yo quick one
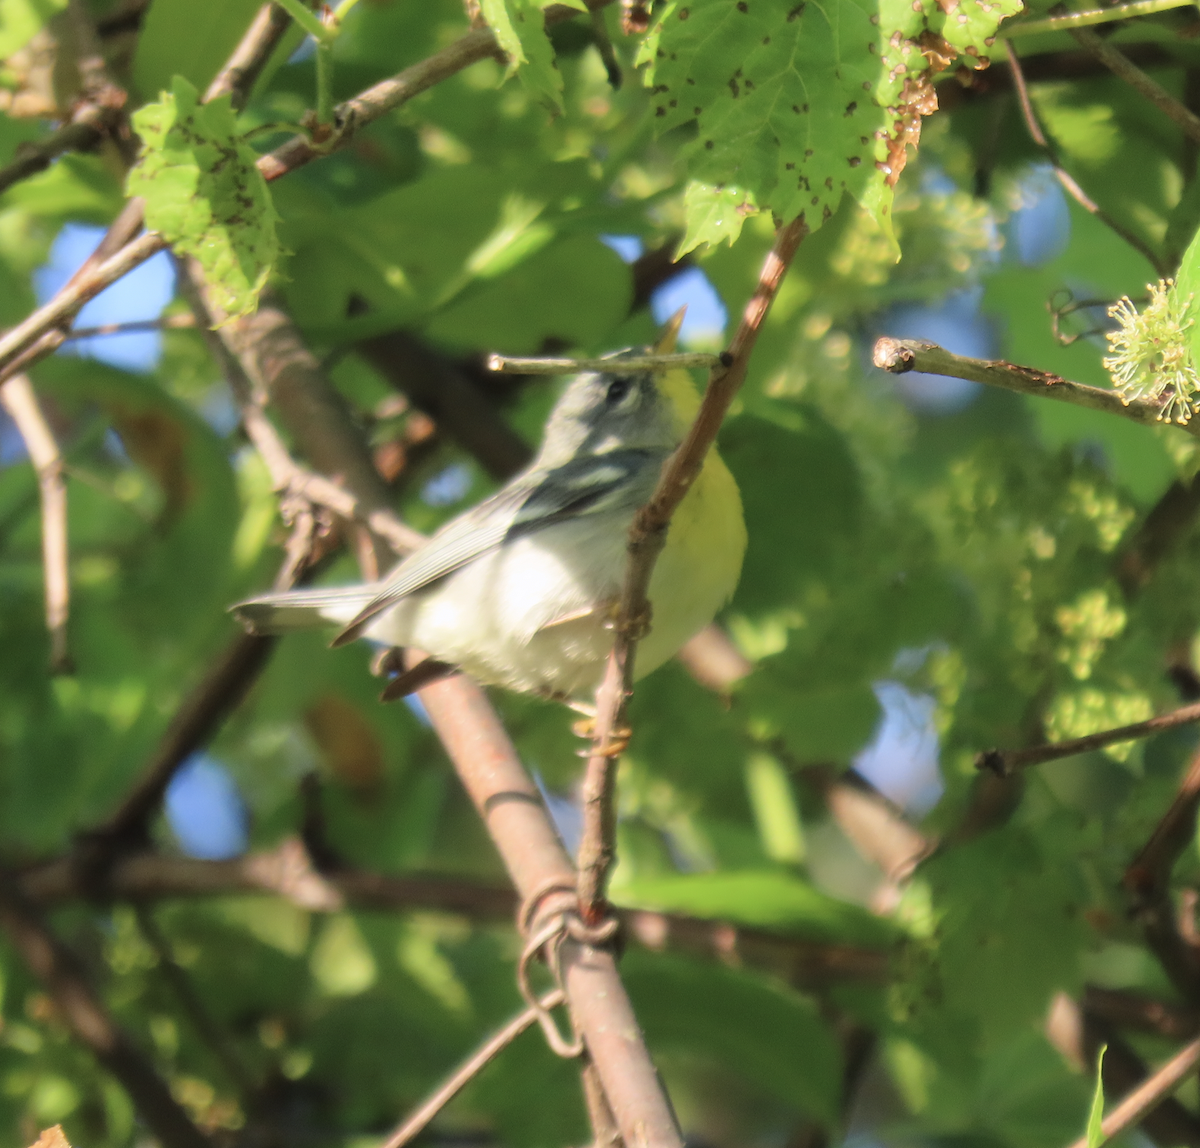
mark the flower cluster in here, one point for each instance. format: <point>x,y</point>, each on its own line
<point>1151,360</point>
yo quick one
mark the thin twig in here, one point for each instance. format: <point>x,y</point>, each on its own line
<point>1005,761</point>
<point>87,128</point>
<point>355,114</point>
<point>91,1022</point>
<point>71,298</point>
<point>1123,68</point>
<point>1090,17</point>
<point>646,538</point>
<point>899,356</point>
<point>1146,1096</point>
<point>287,871</point>
<point>166,323</point>
<point>19,400</point>
<point>513,366</point>
<point>252,54</point>
<point>96,115</point>
<point>418,1120</point>
<point>1069,185</point>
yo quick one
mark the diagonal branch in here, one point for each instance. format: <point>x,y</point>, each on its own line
<point>1124,69</point>
<point>1147,881</point>
<point>646,539</point>
<point>200,715</point>
<point>898,356</point>
<point>94,1027</point>
<point>252,54</point>
<point>418,1120</point>
<point>1003,762</point>
<point>1064,177</point>
<point>18,399</point>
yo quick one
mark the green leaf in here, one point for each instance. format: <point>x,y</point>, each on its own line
<point>204,194</point>
<point>714,213</point>
<point>520,28</point>
<point>802,101</point>
<point>774,1039</point>
<point>764,898</point>
<point>1095,1133</point>
<point>21,20</point>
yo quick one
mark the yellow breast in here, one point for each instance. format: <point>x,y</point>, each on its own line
<point>698,570</point>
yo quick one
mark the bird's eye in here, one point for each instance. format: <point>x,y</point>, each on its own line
<point>617,390</point>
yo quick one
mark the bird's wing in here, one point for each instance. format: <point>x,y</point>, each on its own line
<point>530,503</point>
<point>299,609</point>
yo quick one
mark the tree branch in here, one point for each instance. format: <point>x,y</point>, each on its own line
<point>1147,881</point>
<point>249,58</point>
<point>647,536</point>
<point>200,715</point>
<point>1131,1009</point>
<point>19,400</point>
<point>288,872</point>
<point>1069,185</point>
<point>1124,69</point>
<point>66,304</point>
<point>898,356</point>
<point>1003,762</point>
<point>368,106</point>
<point>57,968</point>
<point>1165,526</point>
<point>512,811</point>
<point>418,1120</point>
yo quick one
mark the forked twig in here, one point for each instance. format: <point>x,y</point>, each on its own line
<point>21,403</point>
<point>418,1120</point>
<point>646,539</point>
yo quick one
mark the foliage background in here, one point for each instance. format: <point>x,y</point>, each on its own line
<point>988,564</point>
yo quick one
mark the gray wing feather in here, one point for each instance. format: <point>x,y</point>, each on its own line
<point>302,609</point>
<point>529,503</point>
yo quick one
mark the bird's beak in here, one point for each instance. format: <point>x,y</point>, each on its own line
<point>670,333</point>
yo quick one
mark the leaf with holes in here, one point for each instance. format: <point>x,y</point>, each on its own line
<point>802,101</point>
<point>204,194</point>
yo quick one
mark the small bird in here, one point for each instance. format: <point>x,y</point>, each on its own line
<point>521,591</point>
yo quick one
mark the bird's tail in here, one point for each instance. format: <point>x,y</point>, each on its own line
<point>303,609</point>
